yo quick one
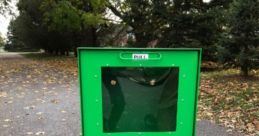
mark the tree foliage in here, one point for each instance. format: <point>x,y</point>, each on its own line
<point>70,15</point>
<point>61,16</point>
<point>177,23</point>
<point>25,30</point>
<point>5,6</point>
<point>55,26</point>
<point>240,46</point>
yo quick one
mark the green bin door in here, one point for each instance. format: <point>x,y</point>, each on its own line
<point>132,92</point>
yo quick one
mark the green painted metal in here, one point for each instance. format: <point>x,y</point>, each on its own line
<point>91,61</point>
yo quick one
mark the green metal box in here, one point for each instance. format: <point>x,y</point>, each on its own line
<point>138,92</point>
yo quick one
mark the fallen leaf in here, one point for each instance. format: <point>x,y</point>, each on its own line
<point>3,94</point>
<point>9,102</point>
<point>39,113</point>
<point>250,127</point>
<point>40,133</point>
<point>54,101</point>
<point>29,133</point>
<point>5,126</point>
<point>7,120</point>
<point>256,123</point>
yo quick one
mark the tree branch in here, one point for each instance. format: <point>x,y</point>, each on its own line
<point>114,10</point>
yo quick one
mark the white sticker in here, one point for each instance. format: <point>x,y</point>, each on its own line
<point>139,56</point>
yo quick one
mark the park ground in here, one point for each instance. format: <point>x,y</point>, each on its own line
<point>39,96</point>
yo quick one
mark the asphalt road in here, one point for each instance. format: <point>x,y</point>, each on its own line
<point>36,108</point>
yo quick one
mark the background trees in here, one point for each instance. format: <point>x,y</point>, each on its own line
<point>55,26</point>
<point>178,23</point>
<point>25,30</point>
<point>240,45</point>
<point>225,29</point>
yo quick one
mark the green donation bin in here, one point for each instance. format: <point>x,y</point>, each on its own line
<point>138,92</point>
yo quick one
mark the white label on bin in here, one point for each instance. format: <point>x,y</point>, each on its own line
<point>139,56</point>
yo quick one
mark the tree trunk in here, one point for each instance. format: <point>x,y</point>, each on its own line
<point>245,65</point>
<point>67,52</point>
<point>75,51</point>
<point>245,71</point>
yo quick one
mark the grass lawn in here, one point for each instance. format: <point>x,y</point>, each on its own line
<point>230,100</point>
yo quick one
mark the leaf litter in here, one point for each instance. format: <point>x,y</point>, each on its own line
<point>225,98</point>
<point>230,100</point>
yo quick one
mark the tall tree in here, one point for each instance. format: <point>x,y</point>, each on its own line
<point>80,17</point>
<point>56,26</point>
<point>19,35</point>
<point>173,23</point>
<point>26,30</point>
<point>241,44</point>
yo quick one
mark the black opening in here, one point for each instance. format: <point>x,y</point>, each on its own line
<point>139,99</point>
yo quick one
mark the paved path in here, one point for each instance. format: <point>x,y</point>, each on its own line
<point>33,105</point>
<point>12,55</point>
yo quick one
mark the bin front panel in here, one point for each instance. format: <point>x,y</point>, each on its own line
<point>130,92</point>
